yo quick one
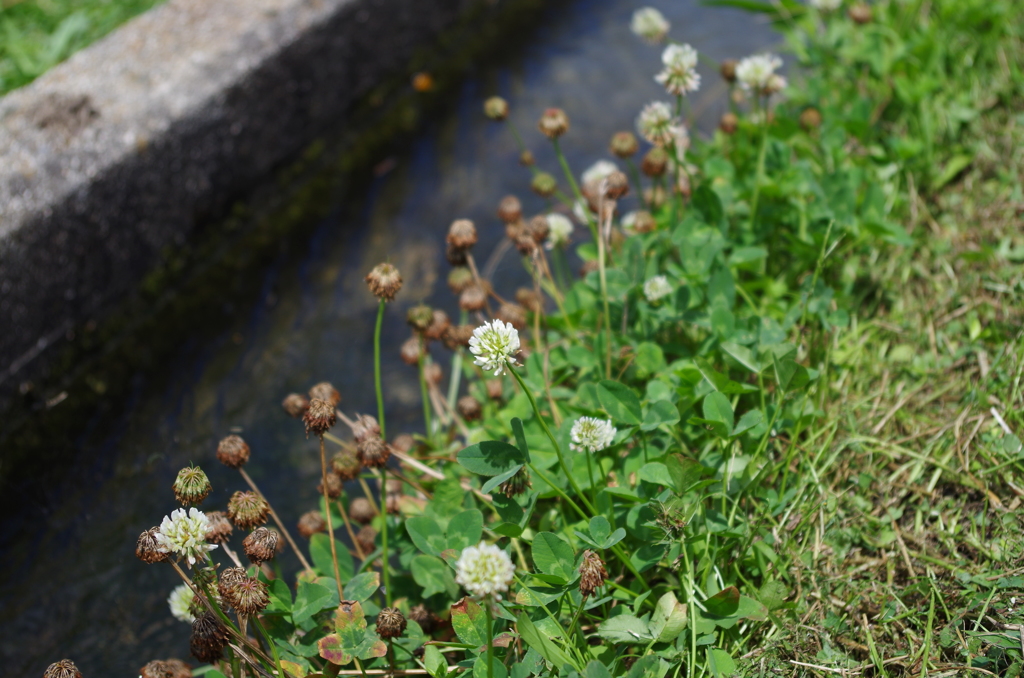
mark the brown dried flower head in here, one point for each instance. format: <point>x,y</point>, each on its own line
<point>553,123</point>
<point>320,417</point>
<point>261,545</point>
<point>810,119</point>
<point>438,325</point>
<point>624,144</point>
<point>361,510</point>
<point>346,464</point>
<point>526,158</point>
<point>455,256</point>
<point>333,488</point>
<point>403,442</point>
<point>247,510</point>
<point>233,452</point>
<point>589,266</point>
<point>860,13</point>
<point>249,596</point>
<point>390,623</point>
<point>373,452</point>
<point>458,335</point>
<point>367,539</point>
<point>525,244</point>
<point>227,581</point>
<point>513,314</point>
<point>191,486</point>
<point>729,123</point>
<point>459,279</point>
<point>473,298</point>
<point>166,668</point>
<point>538,228</point>
<point>146,549</point>
<point>496,108</point>
<point>617,185</point>
<point>365,427</point>
<point>654,162</point>
<point>469,408</point>
<point>384,281</point>
<point>65,668</point>
<point>325,391</point>
<point>592,573</point>
<point>310,523</point>
<point>462,234</point>
<point>220,527</point>
<point>424,617</point>
<point>644,222</point>
<point>728,70</point>
<point>295,404</point>
<point>209,637</point>
<point>432,373</point>
<point>510,209</point>
<point>517,484</point>
<point>529,299</point>
<point>544,184</point>
<point>411,350</point>
<point>419,317</point>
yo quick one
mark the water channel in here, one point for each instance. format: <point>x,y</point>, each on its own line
<point>70,585</point>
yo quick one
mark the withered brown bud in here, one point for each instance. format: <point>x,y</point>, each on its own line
<point>247,510</point>
<point>432,373</point>
<point>462,234</point>
<point>728,70</point>
<point>517,484</point>
<point>459,279</point>
<point>810,119</point>
<point>346,464</point>
<point>325,391</point>
<point>403,442</point>
<point>373,452</point>
<point>617,186</point>
<point>320,417</point>
<point>390,623</point>
<point>295,404</point>
<point>510,209</point>
<point>624,144</point>
<point>261,545</point>
<point>729,123</point>
<point>496,109</point>
<point>495,389</point>
<point>367,539</point>
<point>424,617</point>
<point>469,408</point>
<point>473,298</point>
<point>311,522</point>
<point>361,510</point>
<point>419,317</point>
<point>538,228</point>
<point>384,281</point>
<point>147,549</point>
<point>411,350</point>
<point>644,222</point>
<point>438,325</point>
<point>227,580</point>
<point>654,162</point>
<point>333,488</point>
<point>209,637</point>
<point>860,13</point>
<point>233,452</point>
<point>458,335</point>
<point>166,668</point>
<point>529,299</point>
<point>249,596</point>
<point>365,426</point>
<point>592,573</point>
<point>526,158</point>
<point>455,256</point>
<point>525,244</point>
<point>220,527</point>
<point>191,486</point>
<point>544,184</point>
<point>553,123</point>
<point>65,668</point>
<point>514,314</point>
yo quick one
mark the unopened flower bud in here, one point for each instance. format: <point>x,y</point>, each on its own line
<point>384,281</point>
<point>367,539</point>
<point>373,452</point>
<point>729,123</point>
<point>860,13</point>
<point>459,279</point>
<point>513,314</point>
<point>295,405</point>
<point>654,162</point>
<point>233,452</point>
<point>592,573</point>
<point>333,487</point>
<point>220,527</point>
<point>390,623</point>
<point>411,350</point>
<point>517,484</point>
<point>191,486</point>
<point>346,464</point>
<point>526,158</point>
<point>462,234</point>
<point>553,123</point>
<point>810,119</point>
<point>311,522</point>
<point>361,510</point>
<point>617,185</point>
<point>147,549</point>
<point>419,317</point>
<point>624,144</point>
<point>320,417</point>
<point>247,510</point>
<point>544,184</point>
<point>65,668</point>
<point>510,210</point>
<point>469,408</point>
<point>209,637</point>
<point>496,109</point>
<point>261,545</point>
<point>728,70</point>
<point>439,324</point>
<point>472,298</point>
<point>325,391</point>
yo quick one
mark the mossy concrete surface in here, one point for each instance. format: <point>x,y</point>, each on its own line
<point>133,145</point>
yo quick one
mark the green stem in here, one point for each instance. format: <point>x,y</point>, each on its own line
<point>490,639</point>
<point>590,474</point>
<point>604,301</point>
<point>327,514</point>
<point>270,641</point>
<point>762,151</point>
<point>576,192</point>
<point>385,564</point>
<point>376,368</point>
<point>427,428</point>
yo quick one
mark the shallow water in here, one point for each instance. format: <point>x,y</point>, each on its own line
<point>69,583</point>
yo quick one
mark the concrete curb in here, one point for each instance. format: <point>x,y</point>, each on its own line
<point>135,143</point>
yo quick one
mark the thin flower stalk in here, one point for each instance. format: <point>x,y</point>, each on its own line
<point>327,512</point>
<point>385,564</point>
<point>277,520</point>
<point>376,367</point>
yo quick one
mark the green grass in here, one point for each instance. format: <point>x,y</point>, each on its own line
<point>36,35</point>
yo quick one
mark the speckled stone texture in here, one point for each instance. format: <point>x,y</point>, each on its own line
<point>134,143</point>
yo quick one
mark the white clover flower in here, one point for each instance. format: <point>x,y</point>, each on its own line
<point>650,24</point>
<point>755,72</point>
<point>484,570</point>
<point>657,124</point>
<point>495,345</point>
<point>179,601</point>
<point>590,434</point>
<point>601,169</point>
<point>185,534</point>
<point>581,210</point>
<point>559,231</point>
<point>825,5</point>
<point>679,76</point>
<point>657,287</point>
